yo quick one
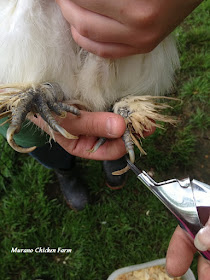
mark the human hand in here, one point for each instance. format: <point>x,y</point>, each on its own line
<point>180,255</point>
<point>114,29</point>
<point>202,238</point>
<point>89,127</point>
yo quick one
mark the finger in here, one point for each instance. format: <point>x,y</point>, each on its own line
<point>202,239</point>
<point>99,124</point>
<point>203,269</point>
<point>103,29</point>
<point>111,150</point>
<point>95,26</point>
<point>180,253</point>
<point>112,9</point>
<point>107,37</point>
<point>106,50</point>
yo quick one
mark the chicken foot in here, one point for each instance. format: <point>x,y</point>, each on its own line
<point>141,114</point>
<point>16,102</point>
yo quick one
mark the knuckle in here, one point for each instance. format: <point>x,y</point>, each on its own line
<point>144,17</point>
<point>149,17</point>
<point>142,20</point>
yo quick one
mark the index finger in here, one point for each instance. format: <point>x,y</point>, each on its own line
<point>110,150</point>
<point>103,7</point>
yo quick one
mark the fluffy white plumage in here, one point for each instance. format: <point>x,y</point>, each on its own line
<point>36,46</point>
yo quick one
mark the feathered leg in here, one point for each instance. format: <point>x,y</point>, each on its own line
<point>16,102</point>
<point>141,113</point>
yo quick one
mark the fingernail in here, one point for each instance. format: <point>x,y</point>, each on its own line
<point>199,241</point>
<point>112,127</point>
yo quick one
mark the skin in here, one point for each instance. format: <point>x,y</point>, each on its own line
<point>180,255</point>
<point>89,127</point>
<point>114,29</point>
<point>202,240</point>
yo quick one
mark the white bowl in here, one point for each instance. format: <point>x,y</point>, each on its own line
<point>188,275</point>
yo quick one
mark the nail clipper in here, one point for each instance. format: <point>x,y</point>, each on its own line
<point>188,200</point>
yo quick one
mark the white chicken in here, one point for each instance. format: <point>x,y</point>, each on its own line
<point>42,69</point>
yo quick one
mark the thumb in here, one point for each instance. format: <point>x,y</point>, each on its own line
<point>103,124</point>
<point>202,238</point>
<point>99,124</point>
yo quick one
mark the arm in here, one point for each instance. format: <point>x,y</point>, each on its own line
<point>120,28</point>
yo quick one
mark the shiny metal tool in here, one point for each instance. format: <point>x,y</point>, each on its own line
<point>188,200</point>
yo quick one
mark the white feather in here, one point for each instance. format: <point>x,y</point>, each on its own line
<point>36,46</point>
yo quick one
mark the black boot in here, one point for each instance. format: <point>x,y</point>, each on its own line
<point>74,190</point>
<point>114,181</point>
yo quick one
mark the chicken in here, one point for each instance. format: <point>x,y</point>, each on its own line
<point>42,70</point>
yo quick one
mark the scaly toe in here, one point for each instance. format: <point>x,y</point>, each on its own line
<point>17,101</point>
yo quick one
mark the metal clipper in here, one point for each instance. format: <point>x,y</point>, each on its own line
<point>188,200</point>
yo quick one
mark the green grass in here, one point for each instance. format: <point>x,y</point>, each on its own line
<point>119,228</point>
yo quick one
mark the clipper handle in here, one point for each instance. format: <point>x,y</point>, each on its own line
<point>201,198</point>
<point>201,193</point>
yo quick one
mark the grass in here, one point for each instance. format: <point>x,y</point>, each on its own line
<point>119,228</point>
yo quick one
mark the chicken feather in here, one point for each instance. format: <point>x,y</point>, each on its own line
<point>37,48</point>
